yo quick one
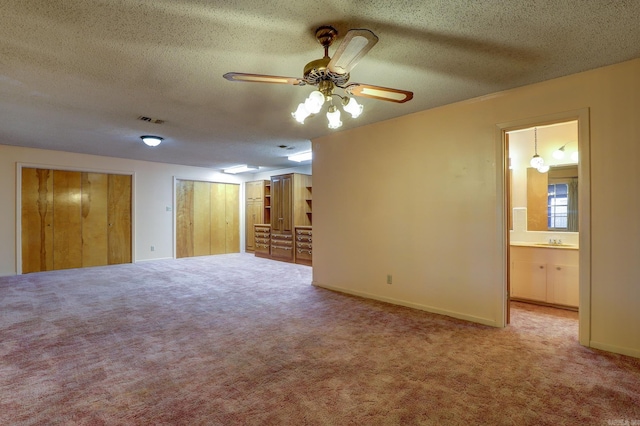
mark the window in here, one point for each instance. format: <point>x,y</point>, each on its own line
<point>557,206</point>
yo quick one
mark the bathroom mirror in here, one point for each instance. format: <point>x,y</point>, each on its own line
<point>552,199</point>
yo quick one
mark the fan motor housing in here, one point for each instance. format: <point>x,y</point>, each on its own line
<point>317,71</point>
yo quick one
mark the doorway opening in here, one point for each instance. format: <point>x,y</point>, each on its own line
<point>546,205</point>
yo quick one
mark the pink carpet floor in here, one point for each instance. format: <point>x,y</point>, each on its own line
<point>238,340</point>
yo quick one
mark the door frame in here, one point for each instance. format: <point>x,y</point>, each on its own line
<point>20,166</point>
<point>584,207</point>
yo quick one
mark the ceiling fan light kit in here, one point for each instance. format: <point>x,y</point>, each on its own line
<point>329,73</point>
<point>333,115</point>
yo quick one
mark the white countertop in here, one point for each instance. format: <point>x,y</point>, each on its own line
<point>545,245</point>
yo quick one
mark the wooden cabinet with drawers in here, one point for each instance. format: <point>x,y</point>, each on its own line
<point>282,247</point>
<point>304,245</point>
<point>290,208</point>
<point>262,242</point>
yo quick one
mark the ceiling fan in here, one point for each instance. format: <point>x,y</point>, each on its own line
<point>328,73</point>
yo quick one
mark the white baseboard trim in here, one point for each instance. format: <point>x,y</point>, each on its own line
<point>152,260</point>
<point>615,349</point>
<point>458,315</point>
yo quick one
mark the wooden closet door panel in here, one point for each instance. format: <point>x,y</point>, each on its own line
<point>201,218</point>
<point>94,219</point>
<point>37,220</point>
<point>254,190</point>
<point>249,221</point>
<point>287,205</point>
<point>67,220</point>
<point>254,215</point>
<point>119,218</point>
<point>184,218</point>
<point>218,218</point>
<point>232,213</point>
<point>276,204</point>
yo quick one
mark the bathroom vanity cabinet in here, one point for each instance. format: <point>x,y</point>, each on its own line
<point>545,274</point>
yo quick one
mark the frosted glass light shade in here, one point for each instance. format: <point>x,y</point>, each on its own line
<point>543,168</point>
<point>314,102</point>
<point>333,115</point>
<point>558,154</point>
<point>151,140</point>
<point>536,161</point>
<point>353,107</point>
<point>301,113</point>
<point>574,156</point>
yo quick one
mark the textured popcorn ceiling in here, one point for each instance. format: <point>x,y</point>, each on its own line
<point>76,75</point>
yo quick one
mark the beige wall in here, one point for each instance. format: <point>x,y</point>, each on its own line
<point>417,197</point>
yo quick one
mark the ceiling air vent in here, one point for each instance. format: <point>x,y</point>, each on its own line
<point>150,120</point>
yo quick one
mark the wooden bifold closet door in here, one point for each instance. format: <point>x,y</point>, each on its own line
<point>207,218</point>
<point>74,219</point>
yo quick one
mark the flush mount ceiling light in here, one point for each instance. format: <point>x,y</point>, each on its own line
<point>303,156</point>
<point>328,73</point>
<point>240,169</point>
<point>151,140</point>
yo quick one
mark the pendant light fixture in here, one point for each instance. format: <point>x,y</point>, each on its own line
<point>537,162</point>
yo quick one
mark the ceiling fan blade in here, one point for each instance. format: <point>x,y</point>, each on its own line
<point>262,78</point>
<point>378,92</point>
<point>353,47</point>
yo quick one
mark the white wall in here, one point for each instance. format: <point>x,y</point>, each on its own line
<point>153,193</point>
<point>430,212</point>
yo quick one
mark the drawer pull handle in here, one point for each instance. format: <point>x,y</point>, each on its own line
<point>304,251</point>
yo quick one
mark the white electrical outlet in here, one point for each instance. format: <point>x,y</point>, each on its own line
<point>389,279</point>
<point>153,248</point>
